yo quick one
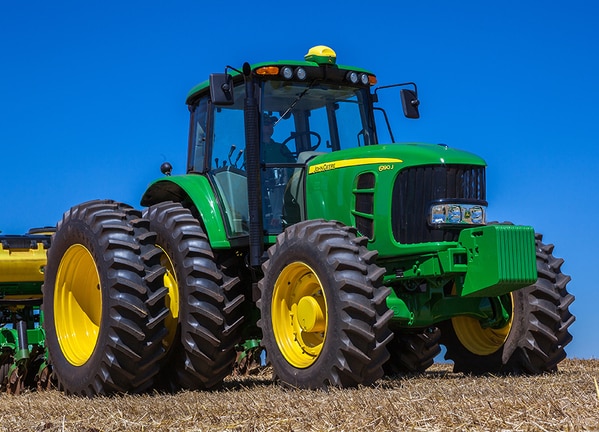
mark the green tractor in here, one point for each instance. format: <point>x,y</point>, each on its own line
<point>294,226</point>
<point>22,348</point>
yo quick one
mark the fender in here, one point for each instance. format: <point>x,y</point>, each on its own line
<point>199,191</point>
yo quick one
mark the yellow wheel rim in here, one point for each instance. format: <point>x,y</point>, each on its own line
<point>479,340</point>
<point>172,299</point>
<point>299,315</point>
<point>77,305</point>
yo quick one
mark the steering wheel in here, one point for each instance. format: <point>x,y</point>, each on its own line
<point>294,135</point>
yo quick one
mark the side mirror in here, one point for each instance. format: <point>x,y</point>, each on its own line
<point>409,102</point>
<point>221,89</point>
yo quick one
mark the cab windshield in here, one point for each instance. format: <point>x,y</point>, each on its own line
<point>317,117</point>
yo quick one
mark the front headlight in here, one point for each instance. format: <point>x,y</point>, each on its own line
<point>453,213</point>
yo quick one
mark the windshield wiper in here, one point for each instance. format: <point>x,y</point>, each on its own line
<point>294,103</point>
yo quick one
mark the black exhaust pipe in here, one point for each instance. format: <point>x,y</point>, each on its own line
<point>252,144</point>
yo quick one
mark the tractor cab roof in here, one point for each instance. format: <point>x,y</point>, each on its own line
<point>320,63</point>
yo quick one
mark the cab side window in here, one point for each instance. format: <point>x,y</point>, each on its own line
<point>227,167</point>
<point>229,138</point>
<point>197,137</point>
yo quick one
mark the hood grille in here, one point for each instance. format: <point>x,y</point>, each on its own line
<point>417,187</point>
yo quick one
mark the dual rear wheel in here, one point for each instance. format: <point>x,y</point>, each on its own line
<point>134,303</point>
<point>205,304</point>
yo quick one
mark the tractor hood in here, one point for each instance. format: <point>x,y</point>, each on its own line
<point>363,186</point>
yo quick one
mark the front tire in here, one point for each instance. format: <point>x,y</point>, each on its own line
<point>324,317</point>
<point>205,305</point>
<point>104,301</point>
<point>533,341</point>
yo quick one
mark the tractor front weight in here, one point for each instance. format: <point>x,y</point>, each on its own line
<point>473,278</point>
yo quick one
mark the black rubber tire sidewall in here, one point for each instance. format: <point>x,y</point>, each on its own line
<point>117,363</point>
<point>210,316</point>
<point>354,348</point>
<point>539,329</point>
<point>319,371</point>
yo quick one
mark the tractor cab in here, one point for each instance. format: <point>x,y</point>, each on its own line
<point>301,110</point>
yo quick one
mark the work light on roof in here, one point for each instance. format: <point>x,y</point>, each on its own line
<point>287,72</point>
<point>300,73</point>
<point>352,77</point>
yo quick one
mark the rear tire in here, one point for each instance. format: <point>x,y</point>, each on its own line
<point>324,317</point>
<point>205,305</point>
<point>537,334</point>
<point>103,301</point>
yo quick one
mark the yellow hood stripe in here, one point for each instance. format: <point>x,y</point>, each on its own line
<point>327,166</point>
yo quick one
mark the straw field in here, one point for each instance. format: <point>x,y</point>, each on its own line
<point>439,400</point>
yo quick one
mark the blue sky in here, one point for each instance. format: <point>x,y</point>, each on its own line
<point>92,100</point>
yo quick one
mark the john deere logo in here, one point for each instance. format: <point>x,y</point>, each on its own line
<point>324,167</point>
<point>384,164</point>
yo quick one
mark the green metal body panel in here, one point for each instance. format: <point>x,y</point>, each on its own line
<point>421,309</point>
<point>199,191</point>
<point>9,338</point>
<point>16,290</point>
<point>331,188</point>
<point>501,259</point>
<point>488,262</point>
<point>493,260</point>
